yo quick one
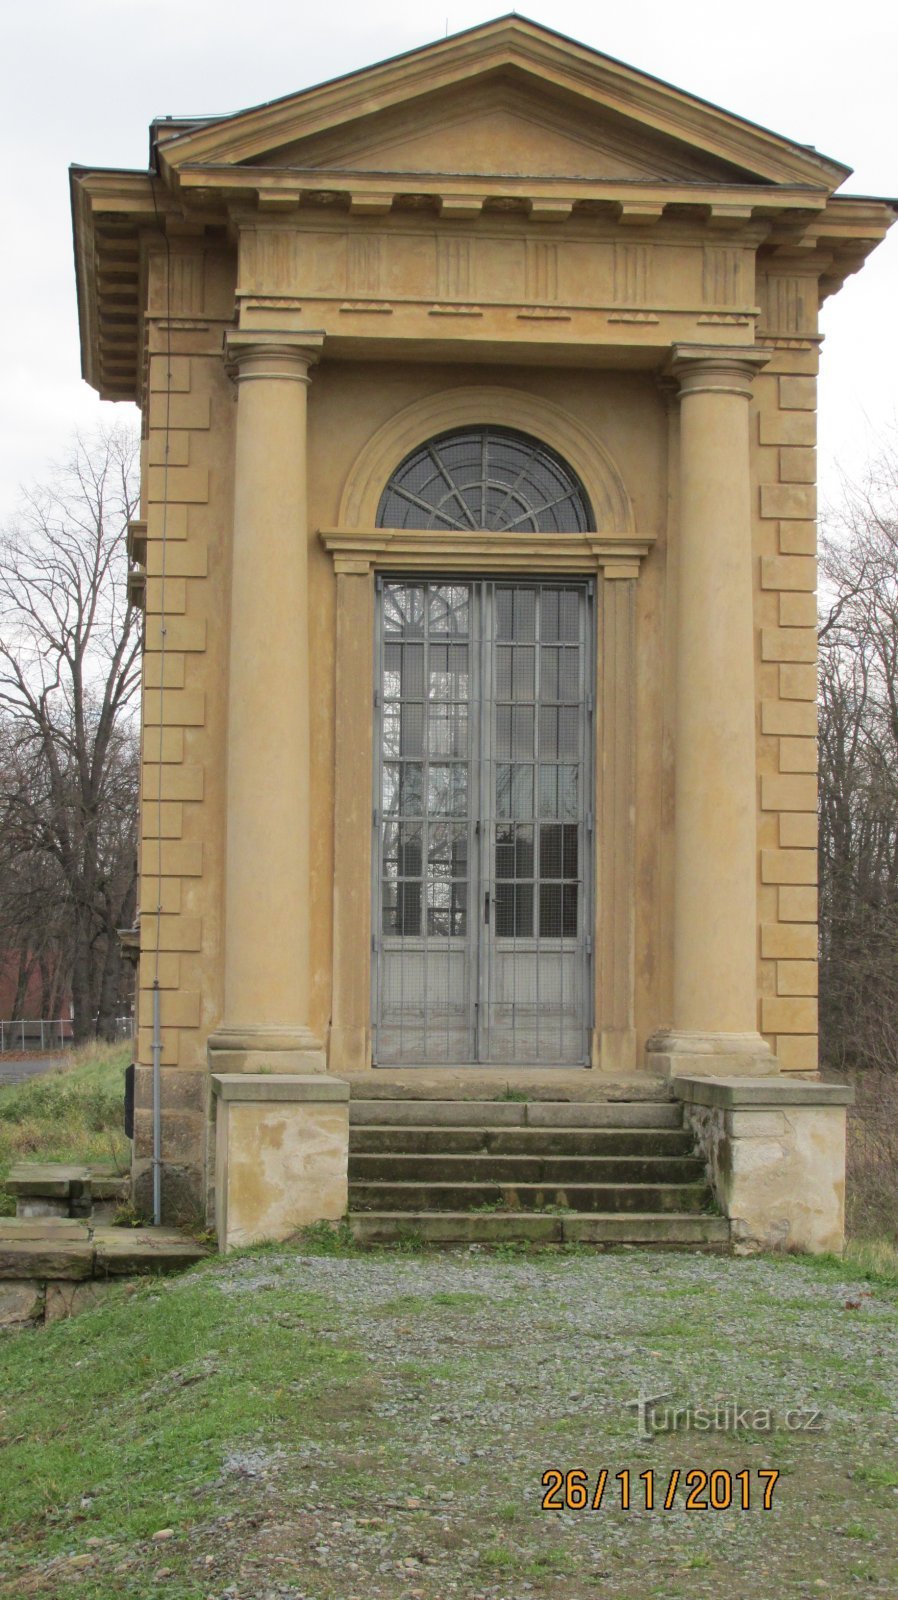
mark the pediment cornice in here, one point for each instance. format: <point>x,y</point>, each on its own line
<point>591,82</point>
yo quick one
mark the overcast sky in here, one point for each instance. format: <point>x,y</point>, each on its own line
<point>80,80</point>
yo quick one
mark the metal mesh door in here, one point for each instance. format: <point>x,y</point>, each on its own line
<point>482,832</point>
<point>424,970</point>
<point>536,825</point>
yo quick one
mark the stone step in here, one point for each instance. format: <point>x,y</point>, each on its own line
<point>55,1180</point>
<point>550,1170</point>
<point>499,1083</point>
<point>51,1180</point>
<point>51,1247</point>
<point>371,1139</point>
<point>667,1229</point>
<point>645,1197</point>
<point>516,1113</point>
<point>61,1247</point>
<point>54,1189</point>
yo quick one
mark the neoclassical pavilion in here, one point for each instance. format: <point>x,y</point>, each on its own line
<point>477,560</point>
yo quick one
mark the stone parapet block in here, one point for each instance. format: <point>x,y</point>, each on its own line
<point>281,1153</point>
<point>275,1086</point>
<point>775,1150</point>
<point>751,1094</point>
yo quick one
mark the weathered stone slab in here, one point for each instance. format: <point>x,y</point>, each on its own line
<point>278,1086</point>
<point>121,1252</point>
<point>46,1248</point>
<point>454,1227</point>
<point>738,1093</point>
<point>651,1228</point>
<point>44,1227</point>
<point>51,1180</point>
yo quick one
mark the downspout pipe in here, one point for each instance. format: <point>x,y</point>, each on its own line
<point>156,1051</point>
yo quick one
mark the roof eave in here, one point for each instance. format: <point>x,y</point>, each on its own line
<point>110,208</point>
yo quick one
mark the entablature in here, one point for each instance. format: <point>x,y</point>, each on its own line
<point>463,197</point>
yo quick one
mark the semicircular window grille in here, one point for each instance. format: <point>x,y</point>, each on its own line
<point>485,480</point>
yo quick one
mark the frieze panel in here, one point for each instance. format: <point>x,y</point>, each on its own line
<point>541,271</point>
<point>632,274</point>
<point>722,276</point>
<point>788,304</point>
<point>363,275</point>
<point>454,274</point>
<point>176,284</point>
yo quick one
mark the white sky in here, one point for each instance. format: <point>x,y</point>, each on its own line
<point>80,80</point>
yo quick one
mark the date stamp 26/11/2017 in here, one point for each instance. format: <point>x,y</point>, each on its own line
<point>692,1487</point>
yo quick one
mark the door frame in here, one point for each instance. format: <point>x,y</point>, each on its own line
<point>614,560</point>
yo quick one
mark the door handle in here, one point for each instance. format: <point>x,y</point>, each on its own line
<point>486,906</point>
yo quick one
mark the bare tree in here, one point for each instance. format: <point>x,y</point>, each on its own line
<point>69,675</point>
<point>858,693</point>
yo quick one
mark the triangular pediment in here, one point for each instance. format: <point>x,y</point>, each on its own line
<point>510,97</point>
<point>504,125</point>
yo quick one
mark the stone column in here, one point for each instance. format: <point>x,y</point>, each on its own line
<point>266,933</point>
<point>715,1000</point>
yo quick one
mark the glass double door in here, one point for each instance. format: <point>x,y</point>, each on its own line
<point>482,821</point>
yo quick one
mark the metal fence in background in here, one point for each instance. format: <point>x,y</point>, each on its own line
<point>41,1036</point>
<point>45,1037</point>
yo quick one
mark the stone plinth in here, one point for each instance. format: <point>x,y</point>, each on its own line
<point>775,1150</point>
<point>281,1153</point>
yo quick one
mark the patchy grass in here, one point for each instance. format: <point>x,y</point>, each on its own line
<point>873,1261</point>
<point>73,1113</point>
<point>872,1166</point>
<point>320,1428</point>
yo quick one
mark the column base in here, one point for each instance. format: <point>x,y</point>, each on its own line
<point>676,1053</point>
<point>265,1049</point>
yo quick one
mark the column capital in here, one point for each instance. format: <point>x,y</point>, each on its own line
<point>715,369</point>
<point>271,354</point>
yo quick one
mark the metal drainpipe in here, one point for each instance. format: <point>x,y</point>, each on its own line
<point>156,1050</point>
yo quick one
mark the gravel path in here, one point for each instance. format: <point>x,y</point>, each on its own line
<point>18,1068</point>
<point>483,1373</point>
<point>413,1470</point>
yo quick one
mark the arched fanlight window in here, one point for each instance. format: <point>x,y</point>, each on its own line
<point>488,480</point>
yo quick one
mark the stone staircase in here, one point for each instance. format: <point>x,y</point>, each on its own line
<point>461,1171</point>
